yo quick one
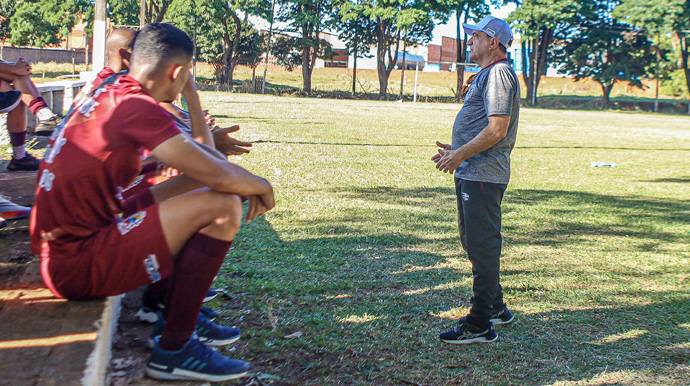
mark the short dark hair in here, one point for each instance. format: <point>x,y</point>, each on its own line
<point>162,44</point>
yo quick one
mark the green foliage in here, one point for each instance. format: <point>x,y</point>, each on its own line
<point>308,18</point>
<point>354,28</point>
<point>662,18</point>
<point>538,21</point>
<point>604,49</point>
<point>42,23</point>
<point>393,20</point>
<point>674,84</point>
<point>124,12</point>
<point>535,16</point>
<point>6,12</point>
<point>214,25</point>
<point>655,15</point>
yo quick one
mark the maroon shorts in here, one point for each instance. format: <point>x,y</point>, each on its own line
<point>119,258</point>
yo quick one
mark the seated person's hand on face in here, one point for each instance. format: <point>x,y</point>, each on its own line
<point>227,144</point>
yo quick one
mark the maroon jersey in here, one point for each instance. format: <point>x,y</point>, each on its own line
<point>89,161</point>
<point>105,73</point>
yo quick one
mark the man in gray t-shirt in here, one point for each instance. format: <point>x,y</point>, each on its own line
<point>483,137</point>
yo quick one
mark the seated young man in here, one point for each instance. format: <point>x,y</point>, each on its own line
<point>15,77</point>
<point>119,45</point>
<point>182,228</point>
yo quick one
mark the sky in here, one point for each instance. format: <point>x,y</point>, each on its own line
<point>449,29</point>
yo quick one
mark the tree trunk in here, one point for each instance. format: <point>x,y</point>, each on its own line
<point>459,57</point>
<point>684,56</point>
<point>606,89</point>
<point>534,54</point>
<point>383,52</point>
<point>306,73</point>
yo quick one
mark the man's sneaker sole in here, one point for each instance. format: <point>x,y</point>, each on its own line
<point>499,321</point>
<point>186,375</point>
<point>479,339</point>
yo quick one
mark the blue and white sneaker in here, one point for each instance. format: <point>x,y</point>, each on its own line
<point>207,332</point>
<point>195,361</point>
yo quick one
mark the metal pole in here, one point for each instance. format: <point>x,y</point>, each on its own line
<point>416,75</point>
<point>142,14</point>
<point>268,50</point>
<point>99,29</point>
<point>194,41</point>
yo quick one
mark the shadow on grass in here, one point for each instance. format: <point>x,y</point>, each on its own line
<point>371,291</point>
<point>684,180</point>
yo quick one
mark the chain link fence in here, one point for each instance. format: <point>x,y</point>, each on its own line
<point>45,55</point>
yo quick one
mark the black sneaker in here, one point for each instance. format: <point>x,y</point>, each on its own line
<point>47,127</point>
<point>9,100</point>
<point>502,316</point>
<point>462,334</point>
<point>26,163</point>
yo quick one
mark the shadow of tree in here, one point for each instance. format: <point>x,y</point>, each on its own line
<point>371,291</point>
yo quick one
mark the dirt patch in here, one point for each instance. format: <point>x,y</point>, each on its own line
<point>15,254</point>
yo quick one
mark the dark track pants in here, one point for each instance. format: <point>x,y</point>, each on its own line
<point>479,222</point>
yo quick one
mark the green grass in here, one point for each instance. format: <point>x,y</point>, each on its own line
<point>361,254</point>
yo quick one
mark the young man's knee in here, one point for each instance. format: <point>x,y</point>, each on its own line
<point>225,209</point>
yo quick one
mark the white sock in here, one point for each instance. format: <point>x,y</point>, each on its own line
<point>19,151</point>
<point>44,114</point>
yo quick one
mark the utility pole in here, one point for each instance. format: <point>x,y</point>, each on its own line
<point>142,14</point>
<point>268,50</point>
<point>99,29</point>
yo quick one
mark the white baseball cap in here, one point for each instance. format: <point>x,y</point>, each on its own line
<point>494,27</point>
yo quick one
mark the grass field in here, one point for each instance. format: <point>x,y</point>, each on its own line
<point>353,275</point>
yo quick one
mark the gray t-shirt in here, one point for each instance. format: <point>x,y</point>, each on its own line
<point>494,91</point>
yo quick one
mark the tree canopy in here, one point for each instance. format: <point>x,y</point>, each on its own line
<point>42,23</point>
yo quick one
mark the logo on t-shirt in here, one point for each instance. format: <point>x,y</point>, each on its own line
<point>46,181</point>
<point>152,268</point>
<point>131,222</point>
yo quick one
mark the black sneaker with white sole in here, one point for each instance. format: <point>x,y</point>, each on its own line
<point>464,334</point>
<point>502,316</point>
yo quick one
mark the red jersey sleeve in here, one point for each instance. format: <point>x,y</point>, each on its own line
<point>142,121</point>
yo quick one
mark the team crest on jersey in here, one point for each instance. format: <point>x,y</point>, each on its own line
<point>471,91</point>
<point>131,222</point>
<point>152,268</point>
